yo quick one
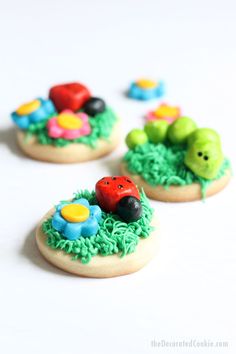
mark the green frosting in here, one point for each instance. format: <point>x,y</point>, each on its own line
<point>163,164</point>
<point>113,237</point>
<point>101,125</point>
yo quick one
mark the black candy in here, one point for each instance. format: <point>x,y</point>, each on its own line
<point>129,209</point>
<point>94,106</point>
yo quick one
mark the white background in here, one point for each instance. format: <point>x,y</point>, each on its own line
<point>188,291</point>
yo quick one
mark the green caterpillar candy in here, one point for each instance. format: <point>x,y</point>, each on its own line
<point>156,130</point>
<point>180,129</point>
<point>204,158</point>
<point>203,133</point>
<point>204,154</point>
<point>177,132</point>
<point>136,137</point>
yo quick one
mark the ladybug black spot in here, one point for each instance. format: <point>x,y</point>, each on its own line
<point>199,153</point>
<point>120,186</point>
<point>94,106</point>
<point>206,158</point>
<point>129,209</point>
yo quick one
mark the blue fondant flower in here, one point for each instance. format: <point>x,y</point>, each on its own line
<point>33,112</point>
<point>76,219</point>
<point>145,89</point>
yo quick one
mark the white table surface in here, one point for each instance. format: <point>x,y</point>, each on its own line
<point>188,291</point>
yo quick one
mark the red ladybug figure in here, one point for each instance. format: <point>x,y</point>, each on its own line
<point>119,195</point>
<point>69,96</point>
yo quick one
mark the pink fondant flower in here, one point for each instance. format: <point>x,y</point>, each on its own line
<point>164,112</point>
<point>69,125</point>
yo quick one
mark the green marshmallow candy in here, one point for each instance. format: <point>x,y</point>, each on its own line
<point>204,158</point>
<point>156,131</point>
<point>206,134</point>
<point>180,129</point>
<point>136,137</point>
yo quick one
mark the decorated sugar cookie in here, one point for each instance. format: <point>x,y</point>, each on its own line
<point>70,126</point>
<point>145,89</point>
<point>103,233</point>
<point>176,162</point>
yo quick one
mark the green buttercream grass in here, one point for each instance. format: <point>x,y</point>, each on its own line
<point>113,237</point>
<point>101,125</point>
<point>163,164</point>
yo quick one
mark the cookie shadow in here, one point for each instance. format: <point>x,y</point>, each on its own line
<point>8,138</point>
<point>30,251</point>
<point>125,93</point>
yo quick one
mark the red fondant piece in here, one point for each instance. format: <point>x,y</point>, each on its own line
<point>109,191</point>
<point>69,96</point>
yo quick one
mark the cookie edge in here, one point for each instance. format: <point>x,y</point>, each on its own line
<point>177,194</point>
<point>72,153</point>
<point>100,266</point>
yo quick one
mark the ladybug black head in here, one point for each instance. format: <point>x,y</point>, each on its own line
<point>93,106</point>
<point>129,209</point>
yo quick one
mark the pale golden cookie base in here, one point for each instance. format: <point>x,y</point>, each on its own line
<point>99,266</point>
<point>71,153</point>
<point>177,193</point>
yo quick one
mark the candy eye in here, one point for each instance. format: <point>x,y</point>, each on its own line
<point>199,153</point>
<point>206,158</point>
<point>120,186</point>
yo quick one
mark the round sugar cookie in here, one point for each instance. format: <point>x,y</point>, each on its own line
<point>186,193</point>
<point>100,266</point>
<point>71,153</point>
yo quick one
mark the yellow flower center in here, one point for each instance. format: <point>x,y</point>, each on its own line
<point>28,108</point>
<point>75,212</point>
<point>166,111</point>
<point>146,84</point>
<point>69,121</point>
